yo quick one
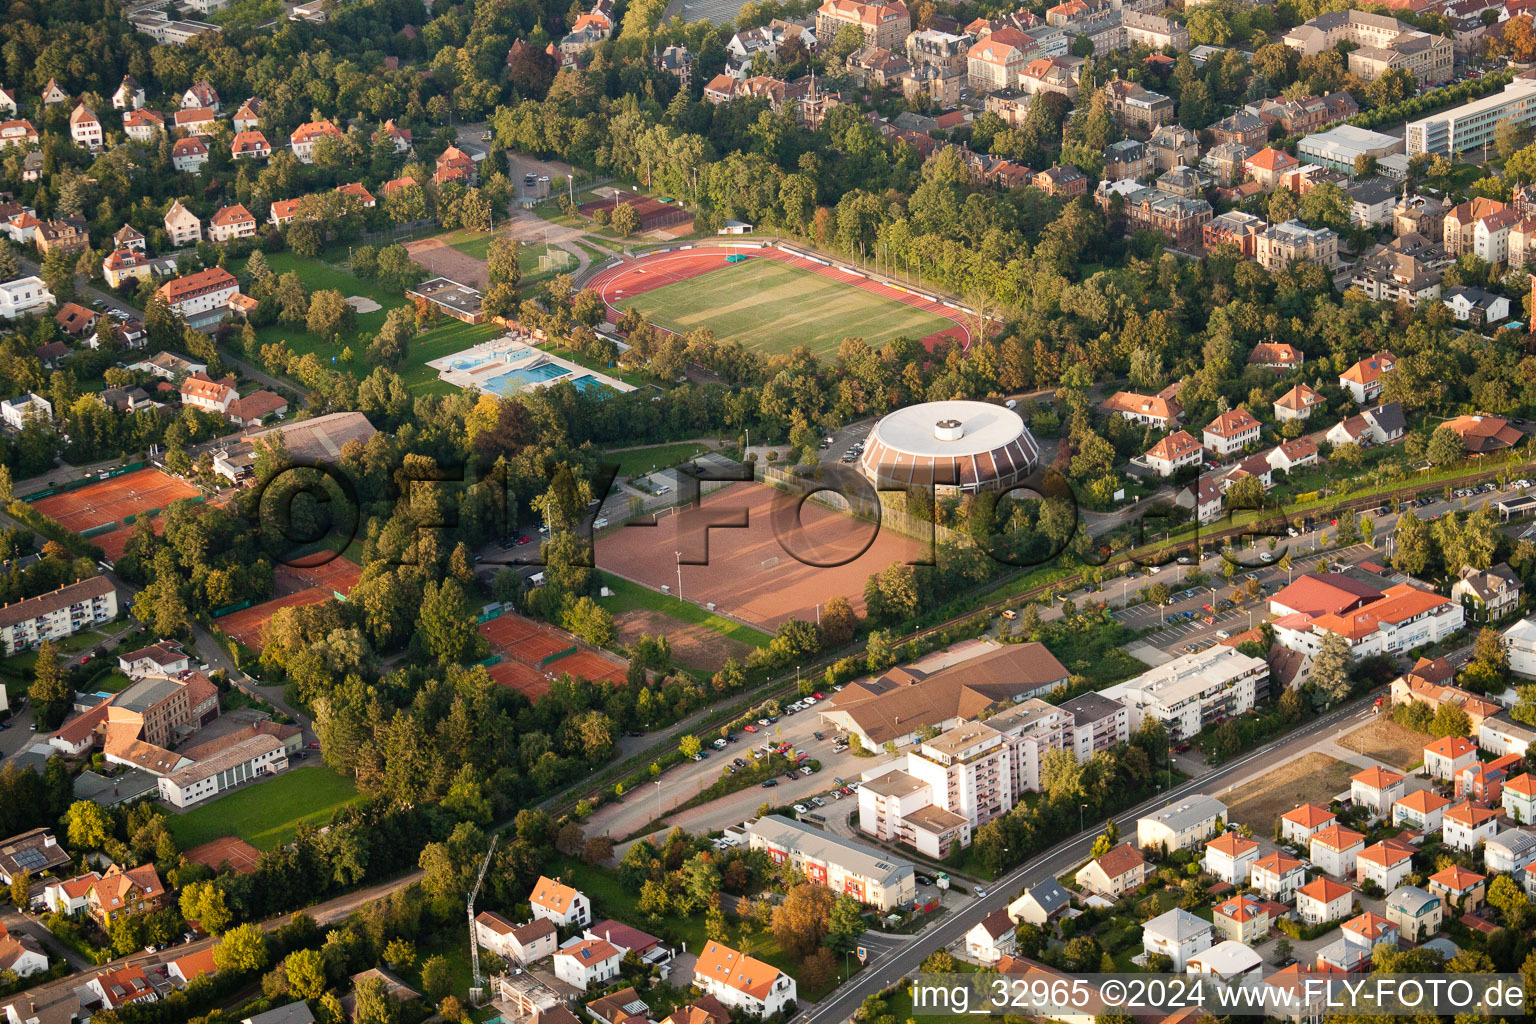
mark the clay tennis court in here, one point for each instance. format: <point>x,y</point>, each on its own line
<point>239,854</point>
<point>442,260</point>
<point>620,287</point>
<point>110,501</point>
<point>524,645</point>
<point>296,586</point>
<point>750,575</point>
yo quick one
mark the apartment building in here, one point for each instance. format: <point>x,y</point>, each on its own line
<point>1194,690</point>
<point>995,61</point>
<point>1234,228</point>
<point>1231,431</point>
<point>1181,826</point>
<point>940,49</point>
<point>181,224</point>
<point>231,222</point>
<point>897,807</point>
<point>1403,618</point>
<point>1182,220</point>
<point>1151,410</point>
<point>869,875</point>
<point>741,982</point>
<point>885,25</point>
<point>1153,31</point>
<point>1406,270</point>
<point>1280,245</point>
<point>1242,128</point>
<point>202,298</point>
<point>1382,44</point>
<point>57,614</point>
<point>1172,453</point>
<point>1137,107</point>
<point>1459,226</point>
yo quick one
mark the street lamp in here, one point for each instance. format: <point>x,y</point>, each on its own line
<point>657,784</point>
<point>679,555</point>
<point>1080,809</point>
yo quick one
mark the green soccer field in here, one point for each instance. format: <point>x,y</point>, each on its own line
<point>773,307</point>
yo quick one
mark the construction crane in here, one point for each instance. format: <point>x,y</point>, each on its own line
<point>474,944</point>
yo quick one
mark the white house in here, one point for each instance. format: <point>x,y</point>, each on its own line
<point>1422,809</point>
<point>1387,863</point>
<point>1364,379</point>
<point>1230,857</point>
<point>18,412</point>
<point>1182,825</point>
<point>181,223</point>
<point>22,296</point>
<point>554,901</point>
<point>20,954</point>
<point>1519,798</point>
<point>1178,935</point>
<point>1520,643</point>
<point>85,128</point>
<point>1466,824</point>
<point>1377,789</point>
<point>588,962</point>
<point>1172,453</point>
<point>1230,431</point>
<point>68,896</point>
<point>1302,822</point>
<point>1335,848</point>
<point>1501,734</point>
<point>1322,900</point>
<point>1510,849</point>
<point>1277,876</point>
<point>1447,756</point>
<point>741,982</point>
<point>992,938</point>
<point>1228,960</point>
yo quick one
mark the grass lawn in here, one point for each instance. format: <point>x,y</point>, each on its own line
<point>636,461</point>
<point>773,307</point>
<point>628,596</point>
<point>267,814</point>
<point>470,243</point>
<point>1388,741</point>
<point>446,337</point>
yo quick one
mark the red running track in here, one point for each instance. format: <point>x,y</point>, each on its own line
<point>647,273</point>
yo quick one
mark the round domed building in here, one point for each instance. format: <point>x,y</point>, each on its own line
<point>971,446</point>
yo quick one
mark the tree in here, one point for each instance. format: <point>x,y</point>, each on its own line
<point>690,746</point>
<point>374,1004</point>
<point>400,954</point>
<point>306,973</point>
<point>845,923</point>
<point>839,622</point>
<point>1445,447</point>
<point>1106,840</point>
<point>799,924</point>
<point>204,903</point>
<point>1330,669</point>
<point>437,976</point>
<point>818,970</point>
<point>625,220</point>
<point>21,888</point>
<point>502,260</point>
<point>1412,546</point>
<point>1510,137</point>
<point>242,950</point>
<point>50,690</point>
<point>329,315</point>
<point>88,825</point>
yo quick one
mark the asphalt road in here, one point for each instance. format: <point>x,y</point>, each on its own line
<point>889,967</point>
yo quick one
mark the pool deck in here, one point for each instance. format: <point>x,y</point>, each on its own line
<point>482,367</point>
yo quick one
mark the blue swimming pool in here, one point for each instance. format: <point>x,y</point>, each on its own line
<point>470,362</point>
<point>510,381</point>
<point>590,384</point>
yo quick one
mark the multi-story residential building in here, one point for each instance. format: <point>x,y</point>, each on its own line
<point>36,851</point>
<point>1382,43</point>
<point>1459,224</point>
<point>1465,825</point>
<point>1154,31</point>
<point>1406,270</point>
<point>17,412</point>
<point>1065,181</point>
<point>941,85</point>
<point>1242,128</point>
<point>588,963</point>
<point>1471,125</point>
<point>898,807</point>
<point>1302,822</point>
<point>1226,162</point>
<point>867,874</point>
<point>306,135</point>
<point>1518,798</point>
<point>742,983</point>
<point>1308,114</point>
<point>1178,935</point>
<point>1280,245</point>
<point>1335,848</point>
<point>1422,809</point>
<point>189,155</point>
<point>1230,857</point>
<point>992,938</point>
<point>1174,452</point>
<point>202,298</point>
<point>141,125</point>
<point>1137,107</point>
<point>1181,220</point>
<point>182,225</point>
<point>1057,75</point>
<point>126,265</point>
<point>538,938</point>
<point>1231,431</point>
<point>250,145</point>
<point>1509,851</point>
<point>1448,755</point>
<point>1462,890</point>
<point>124,892</point>
<point>1487,595</point>
<point>57,614</point>
<point>883,24</point>
<point>129,95</point>
<point>231,222</point>
<point>22,296</point>
<point>995,61</point>
<point>1380,424</point>
<point>939,49</point>
<point>1115,873</point>
<point>1268,166</point>
<point>1181,826</point>
<point>1416,912</point>
<point>1292,455</point>
<point>1371,202</point>
<point>1277,876</point>
<point>1364,379</point>
<point>1128,159</point>
<point>1234,228</point>
<point>968,772</point>
<point>1322,900</point>
<point>1387,863</point>
<point>1194,690</point>
<point>560,904</point>
<point>1152,410</point>
<point>1298,403</point>
<point>1404,617</point>
<point>1377,789</point>
<point>85,128</point>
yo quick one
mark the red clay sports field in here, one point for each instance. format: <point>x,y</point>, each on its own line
<point>619,284</point>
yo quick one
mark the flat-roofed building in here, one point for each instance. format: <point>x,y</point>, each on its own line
<point>1181,826</point>
<point>1194,690</point>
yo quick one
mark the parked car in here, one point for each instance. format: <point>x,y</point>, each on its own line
<point>801,809</point>
<point>770,783</point>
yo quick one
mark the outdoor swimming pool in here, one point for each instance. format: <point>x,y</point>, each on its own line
<point>470,362</point>
<point>588,383</point>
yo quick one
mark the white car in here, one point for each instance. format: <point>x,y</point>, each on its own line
<point>802,809</point>
<point>600,523</point>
